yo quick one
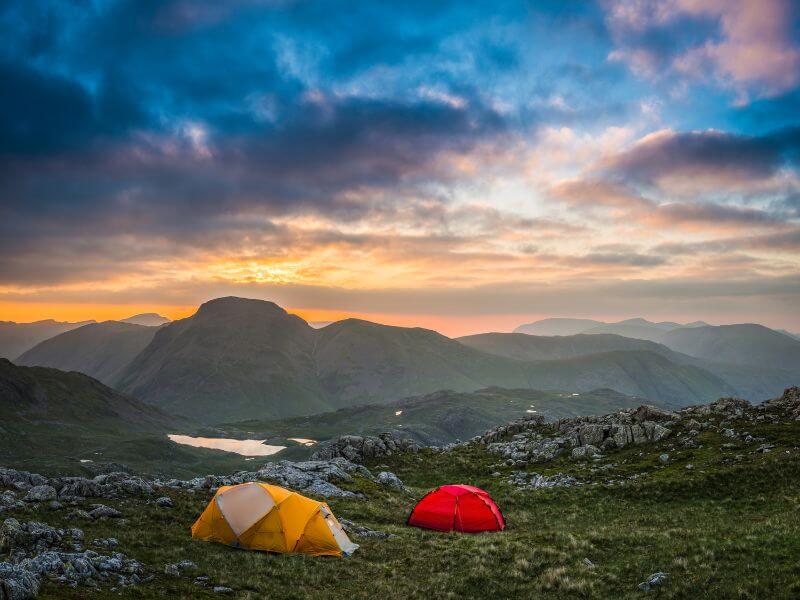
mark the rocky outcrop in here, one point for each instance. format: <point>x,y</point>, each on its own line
<point>357,530</point>
<point>788,404</point>
<point>357,449</point>
<point>317,477</point>
<point>36,550</point>
<point>583,437</point>
<point>41,489</point>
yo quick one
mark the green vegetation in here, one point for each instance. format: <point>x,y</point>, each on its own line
<point>437,418</point>
<point>728,528</point>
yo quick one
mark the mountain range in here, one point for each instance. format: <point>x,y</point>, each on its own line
<point>16,338</point>
<point>238,359</point>
<point>634,328</point>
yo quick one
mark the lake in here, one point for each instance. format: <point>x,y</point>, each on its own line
<point>243,447</point>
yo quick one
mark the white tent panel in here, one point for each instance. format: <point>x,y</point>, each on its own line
<point>244,505</point>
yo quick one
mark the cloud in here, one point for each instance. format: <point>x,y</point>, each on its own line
<point>750,46</point>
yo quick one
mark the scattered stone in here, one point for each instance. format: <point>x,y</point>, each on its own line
<point>17,583</point>
<point>654,581</point>
<point>534,481</point>
<point>389,479</point>
<point>355,529</point>
<point>221,589</point>
<point>763,448</point>
<point>41,493</point>
<point>584,452</point>
<point>729,433</point>
<point>101,511</point>
<point>164,502</point>
<point>78,515</point>
<point>55,505</point>
<point>588,563</point>
<point>663,459</point>
<point>689,467</point>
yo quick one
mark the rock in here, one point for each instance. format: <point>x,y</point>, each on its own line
<point>663,459</point>
<point>356,448</point>
<point>534,481</point>
<point>763,448</point>
<point>588,563</point>
<point>78,515</point>
<point>689,467</point>
<point>389,479</point>
<point>728,433</point>
<point>171,570</point>
<point>177,569</point>
<point>17,583</point>
<point>55,505</point>
<point>654,581</point>
<point>32,537</point>
<point>164,502</point>
<point>101,511</point>
<point>221,589</point>
<point>583,452</point>
<point>355,529</point>
<point>41,493</point>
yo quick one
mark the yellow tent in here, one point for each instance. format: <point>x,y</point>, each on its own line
<point>258,516</point>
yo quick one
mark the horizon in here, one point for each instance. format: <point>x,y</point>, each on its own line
<point>459,167</point>
<point>449,328</point>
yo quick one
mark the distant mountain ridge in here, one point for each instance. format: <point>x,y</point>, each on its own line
<point>16,338</point>
<point>100,350</point>
<point>146,319</point>
<point>237,358</point>
<point>634,328</point>
<point>240,359</point>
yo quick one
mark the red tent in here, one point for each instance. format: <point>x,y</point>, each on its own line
<point>457,508</point>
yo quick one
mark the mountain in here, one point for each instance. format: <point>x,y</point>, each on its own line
<point>557,326</point>
<point>751,381</point>
<point>795,336</point>
<point>359,362</point>
<point>634,328</point>
<point>233,359</point>
<point>438,418</point>
<point>146,319</point>
<point>100,350</point>
<point>745,344</point>
<point>534,347</point>
<point>16,338</point>
<point>237,359</point>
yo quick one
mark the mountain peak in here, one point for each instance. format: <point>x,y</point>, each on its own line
<point>147,319</point>
<point>229,305</point>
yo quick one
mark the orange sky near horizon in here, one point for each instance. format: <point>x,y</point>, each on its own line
<point>448,325</point>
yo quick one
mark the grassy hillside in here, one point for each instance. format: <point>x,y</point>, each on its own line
<point>726,528</point>
<point>645,374</point>
<point>747,344</point>
<point>51,421</point>
<point>535,347</point>
<point>437,418</point>
<point>100,350</point>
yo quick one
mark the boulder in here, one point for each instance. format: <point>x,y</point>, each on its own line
<point>41,493</point>
<point>101,511</point>
<point>17,583</point>
<point>356,448</point>
<point>389,479</point>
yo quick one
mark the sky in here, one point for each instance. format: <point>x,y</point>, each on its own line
<point>464,166</point>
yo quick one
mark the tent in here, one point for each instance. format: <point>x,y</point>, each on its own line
<point>258,516</point>
<point>457,507</point>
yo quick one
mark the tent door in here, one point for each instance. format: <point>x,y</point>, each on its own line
<point>347,547</point>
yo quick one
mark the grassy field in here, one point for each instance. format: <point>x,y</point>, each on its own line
<point>729,528</point>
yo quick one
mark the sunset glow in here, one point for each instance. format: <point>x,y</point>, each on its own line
<point>455,168</point>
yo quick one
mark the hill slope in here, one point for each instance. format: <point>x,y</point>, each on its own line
<point>100,350</point>
<point>437,418</point>
<point>746,344</point>
<point>52,420</point>
<point>16,338</point>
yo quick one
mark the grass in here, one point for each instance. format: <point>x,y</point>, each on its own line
<point>726,529</point>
